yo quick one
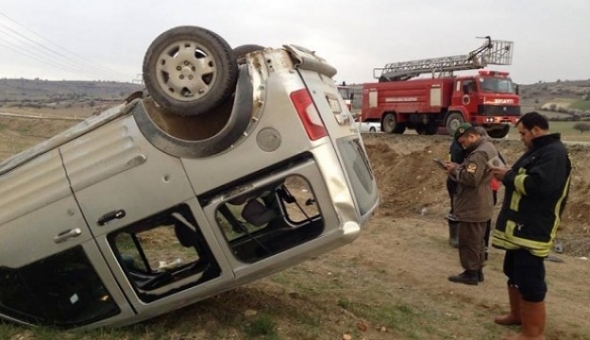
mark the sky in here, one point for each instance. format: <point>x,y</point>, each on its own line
<point>107,39</point>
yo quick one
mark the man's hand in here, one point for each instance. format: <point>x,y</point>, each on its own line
<point>499,173</point>
<point>450,166</point>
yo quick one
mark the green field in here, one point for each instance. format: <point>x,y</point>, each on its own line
<point>581,105</point>
<point>568,132</point>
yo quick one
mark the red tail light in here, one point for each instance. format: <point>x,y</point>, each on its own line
<point>308,114</point>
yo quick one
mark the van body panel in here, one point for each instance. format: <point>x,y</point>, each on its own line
<point>116,169</point>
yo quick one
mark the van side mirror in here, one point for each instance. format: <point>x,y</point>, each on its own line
<point>516,90</point>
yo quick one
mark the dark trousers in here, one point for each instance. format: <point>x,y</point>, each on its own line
<point>527,272</point>
<point>486,235</point>
<point>471,248</point>
<point>451,189</point>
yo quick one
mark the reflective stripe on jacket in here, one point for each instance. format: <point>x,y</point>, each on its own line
<point>536,190</point>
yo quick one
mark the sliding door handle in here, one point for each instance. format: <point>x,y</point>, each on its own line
<point>64,235</point>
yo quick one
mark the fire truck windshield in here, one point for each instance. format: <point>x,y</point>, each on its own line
<point>497,85</point>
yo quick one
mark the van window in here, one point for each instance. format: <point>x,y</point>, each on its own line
<point>270,219</point>
<point>164,253</point>
<point>361,175</point>
<point>60,290</point>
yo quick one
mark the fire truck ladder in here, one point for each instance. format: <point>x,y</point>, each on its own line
<point>492,52</point>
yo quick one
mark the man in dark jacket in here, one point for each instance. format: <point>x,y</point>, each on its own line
<point>536,187</point>
<point>472,203</point>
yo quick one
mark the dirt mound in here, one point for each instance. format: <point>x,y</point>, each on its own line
<point>410,183</point>
<point>408,179</point>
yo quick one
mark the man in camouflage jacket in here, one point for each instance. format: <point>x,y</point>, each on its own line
<point>473,205</point>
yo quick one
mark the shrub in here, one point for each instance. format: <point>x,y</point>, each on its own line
<point>582,127</point>
<point>263,325</point>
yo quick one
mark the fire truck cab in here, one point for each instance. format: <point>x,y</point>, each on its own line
<point>490,99</point>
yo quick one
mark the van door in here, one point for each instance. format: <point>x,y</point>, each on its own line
<point>51,270</point>
<point>142,211</point>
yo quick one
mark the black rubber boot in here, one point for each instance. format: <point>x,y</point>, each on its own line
<point>468,277</point>
<point>453,234</point>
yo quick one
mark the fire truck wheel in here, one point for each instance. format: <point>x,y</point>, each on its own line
<point>431,128</point>
<point>400,128</point>
<point>241,51</point>
<point>499,133</point>
<point>454,119</point>
<point>389,124</point>
<point>189,70</point>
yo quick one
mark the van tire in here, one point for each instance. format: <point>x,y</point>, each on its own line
<point>241,51</point>
<point>189,70</point>
<point>176,135</point>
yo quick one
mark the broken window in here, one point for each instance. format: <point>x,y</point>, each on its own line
<point>271,219</point>
<point>60,290</point>
<point>164,253</point>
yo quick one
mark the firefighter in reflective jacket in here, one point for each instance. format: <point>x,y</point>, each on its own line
<point>536,189</point>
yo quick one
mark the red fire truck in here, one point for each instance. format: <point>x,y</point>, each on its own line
<point>488,98</point>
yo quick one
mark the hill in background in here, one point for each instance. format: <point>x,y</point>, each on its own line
<point>43,90</point>
<point>561,97</point>
<point>38,94</point>
<point>569,100</point>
